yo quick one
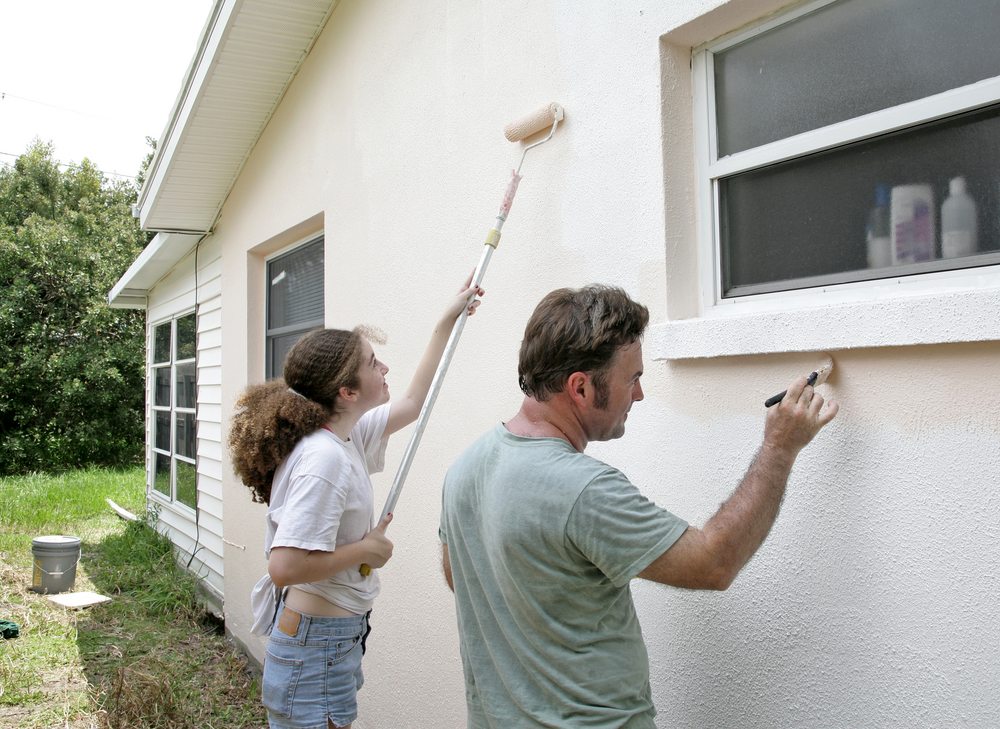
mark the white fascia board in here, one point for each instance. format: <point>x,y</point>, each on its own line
<point>215,31</point>
<point>156,261</point>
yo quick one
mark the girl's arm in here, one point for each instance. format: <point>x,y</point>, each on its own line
<point>293,566</point>
<point>405,410</point>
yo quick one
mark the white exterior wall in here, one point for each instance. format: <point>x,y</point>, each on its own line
<point>172,296</point>
<point>873,602</point>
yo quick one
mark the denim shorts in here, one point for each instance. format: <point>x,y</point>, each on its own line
<point>315,674</point>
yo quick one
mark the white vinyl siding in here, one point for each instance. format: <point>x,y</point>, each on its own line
<point>197,535</point>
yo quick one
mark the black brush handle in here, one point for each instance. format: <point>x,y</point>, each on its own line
<point>775,399</point>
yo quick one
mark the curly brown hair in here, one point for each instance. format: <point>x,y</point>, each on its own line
<point>271,418</point>
<point>577,330</point>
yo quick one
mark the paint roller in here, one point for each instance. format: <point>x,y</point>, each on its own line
<point>547,117</point>
<point>816,378</point>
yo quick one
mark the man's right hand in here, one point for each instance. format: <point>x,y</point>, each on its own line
<point>795,421</point>
<point>710,558</point>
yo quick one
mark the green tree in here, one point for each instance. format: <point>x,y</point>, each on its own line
<point>71,367</point>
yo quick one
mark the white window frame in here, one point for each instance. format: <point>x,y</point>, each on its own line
<point>960,304</point>
<point>173,409</point>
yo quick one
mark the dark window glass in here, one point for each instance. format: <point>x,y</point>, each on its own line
<point>279,348</point>
<point>185,435</point>
<point>186,337</point>
<point>161,473</point>
<point>161,343</point>
<point>294,301</point>
<point>187,484</point>
<point>186,385</point>
<point>807,222</point>
<point>295,281</point>
<point>848,59</point>
<point>161,387</point>
<point>161,428</point>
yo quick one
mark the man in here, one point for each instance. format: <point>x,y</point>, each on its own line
<point>540,541</point>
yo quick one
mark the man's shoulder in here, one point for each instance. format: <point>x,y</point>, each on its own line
<point>499,438</point>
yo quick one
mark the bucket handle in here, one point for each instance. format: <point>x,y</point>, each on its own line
<point>60,573</point>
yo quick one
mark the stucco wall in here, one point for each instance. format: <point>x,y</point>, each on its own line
<point>872,604</point>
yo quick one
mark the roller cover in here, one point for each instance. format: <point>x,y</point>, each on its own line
<point>532,123</point>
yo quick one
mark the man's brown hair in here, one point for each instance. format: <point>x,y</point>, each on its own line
<point>577,330</point>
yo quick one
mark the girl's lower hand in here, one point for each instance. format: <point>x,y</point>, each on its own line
<point>467,298</point>
<point>376,545</point>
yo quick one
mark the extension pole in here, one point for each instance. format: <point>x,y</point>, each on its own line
<point>539,120</point>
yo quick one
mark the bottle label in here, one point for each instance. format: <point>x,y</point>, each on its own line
<point>912,229</point>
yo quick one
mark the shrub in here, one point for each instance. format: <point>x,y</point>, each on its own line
<point>71,367</point>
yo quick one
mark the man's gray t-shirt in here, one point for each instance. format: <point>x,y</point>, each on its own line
<point>543,541</point>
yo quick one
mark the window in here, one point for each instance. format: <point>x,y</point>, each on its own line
<point>174,379</point>
<point>850,141</point>
<point>294,301</point>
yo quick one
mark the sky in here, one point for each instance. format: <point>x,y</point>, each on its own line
<point>93,77</point>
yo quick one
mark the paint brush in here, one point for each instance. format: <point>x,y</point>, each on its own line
<point>816,377</point>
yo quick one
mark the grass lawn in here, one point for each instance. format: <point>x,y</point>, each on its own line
<point>149,658</point>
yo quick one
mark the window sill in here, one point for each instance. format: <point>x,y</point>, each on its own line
<point>163,502</point>
<point>729,330</point>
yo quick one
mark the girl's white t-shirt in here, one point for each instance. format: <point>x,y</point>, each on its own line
<point>322,498</point>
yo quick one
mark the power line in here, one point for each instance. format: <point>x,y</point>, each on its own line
<point>7,94</point>
<point>66,165</point>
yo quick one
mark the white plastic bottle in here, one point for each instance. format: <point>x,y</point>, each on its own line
<point>959,227</point>
<point>879,237</point>
<point>913,216</point>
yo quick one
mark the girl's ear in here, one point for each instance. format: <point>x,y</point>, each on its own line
<point>346,393</point>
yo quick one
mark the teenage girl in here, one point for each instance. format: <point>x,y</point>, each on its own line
<point>305,445</point>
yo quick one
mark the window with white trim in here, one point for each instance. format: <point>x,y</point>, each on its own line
<point>850,141</point>
<point>294,301</point>
<point>174,378</point>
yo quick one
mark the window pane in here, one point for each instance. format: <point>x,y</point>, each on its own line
<point>161,428</point>
<point>807,218</point>
<point>278,350</point>
<point>187,484</point>
<point>186,337</point>
<point>295,287</point>
<point>161,343</point>
<point>186,385</point>
<point>161,474</point>
<point>848,59</point>
<point>161,387</point>
<point>185,435</point>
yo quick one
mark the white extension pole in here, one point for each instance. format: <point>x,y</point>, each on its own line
<point>550,115</point>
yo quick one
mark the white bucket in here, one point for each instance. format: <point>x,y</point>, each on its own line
<point>55,559</point>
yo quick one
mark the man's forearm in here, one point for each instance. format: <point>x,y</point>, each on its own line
<point>744,520</point>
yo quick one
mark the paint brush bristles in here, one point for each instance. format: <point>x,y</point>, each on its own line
<point>816,378</point>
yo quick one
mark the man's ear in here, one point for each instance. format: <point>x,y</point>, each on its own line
<point>578,387</point>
